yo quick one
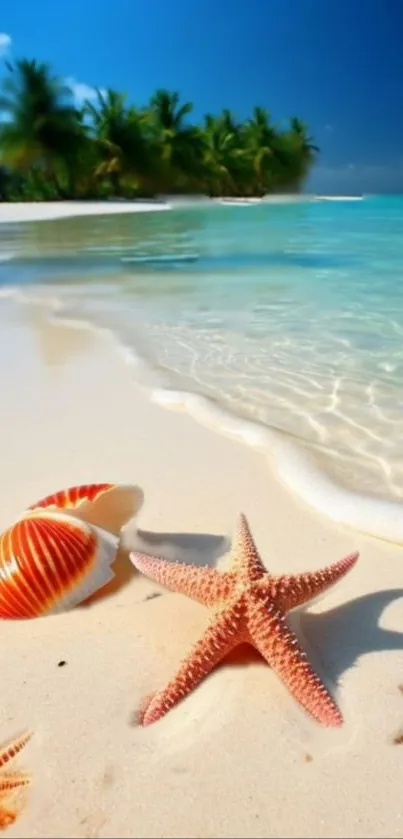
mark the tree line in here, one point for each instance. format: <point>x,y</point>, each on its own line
<point>50,149</point>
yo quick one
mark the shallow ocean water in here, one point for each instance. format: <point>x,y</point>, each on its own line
<point>288,314</point>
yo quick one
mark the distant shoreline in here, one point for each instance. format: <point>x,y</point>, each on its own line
<point>12,212</point>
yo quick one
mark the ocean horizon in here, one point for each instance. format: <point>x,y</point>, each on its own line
<point>285,315</point>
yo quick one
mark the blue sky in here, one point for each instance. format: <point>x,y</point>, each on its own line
<point>337,65</point>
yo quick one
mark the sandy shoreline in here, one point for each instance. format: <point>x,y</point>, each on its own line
<point>238,757</point>
<point>13,212</point>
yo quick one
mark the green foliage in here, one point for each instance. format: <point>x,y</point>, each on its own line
<point>49,149</point>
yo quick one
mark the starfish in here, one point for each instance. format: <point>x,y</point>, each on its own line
<point>11,781</point>
<point>249,606</point>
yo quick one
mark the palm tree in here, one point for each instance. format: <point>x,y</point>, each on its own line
<point>48,148</point>
<point>221,154</point>
<point>169,119</point>
<point>120,133</point>
<point>261,142</point>
<point>179,143</point>
<point>40,129</point>
<point>300,130</point>
<point>301,149</point>
<point>229,122</point>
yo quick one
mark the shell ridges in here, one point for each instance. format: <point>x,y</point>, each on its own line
<point>52,558</point>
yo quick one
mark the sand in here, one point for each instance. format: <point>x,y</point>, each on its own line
<point>12,212</point>
<point>46,210</point>
<point>237,757</point>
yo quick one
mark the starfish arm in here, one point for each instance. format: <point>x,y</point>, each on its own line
<point>203,584</point>
<point>7,818</point>
<point>244,553</point>
<point>8,783</point>
<point>290,591</point>
<point>221,636</point>
<point>280,647</point>
<point>11,750</point>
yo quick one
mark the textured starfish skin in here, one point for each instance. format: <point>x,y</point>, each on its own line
<point>10,782</point>
<point>249,606</point>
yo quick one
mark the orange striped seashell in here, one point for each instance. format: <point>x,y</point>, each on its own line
<point>60,551</point>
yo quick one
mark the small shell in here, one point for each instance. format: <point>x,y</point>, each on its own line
<point>61,550</point>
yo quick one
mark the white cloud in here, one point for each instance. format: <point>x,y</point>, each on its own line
<point>5,43</point>
<point>81,91</point>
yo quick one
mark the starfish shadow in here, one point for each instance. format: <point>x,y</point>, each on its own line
<point>347,632</point>
<point>189,548</point>
<point>335,640</point>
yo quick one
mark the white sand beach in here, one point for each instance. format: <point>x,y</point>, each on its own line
<point>238,757</point>
<point>11,212</point>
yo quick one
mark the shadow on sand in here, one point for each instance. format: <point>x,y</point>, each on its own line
<point>335,640</point>
<point>189,548</point>
<point>338,637</point>
<point>344,634</point>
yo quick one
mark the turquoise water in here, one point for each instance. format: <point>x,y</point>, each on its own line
<point>290,314</point>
